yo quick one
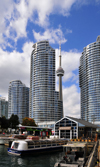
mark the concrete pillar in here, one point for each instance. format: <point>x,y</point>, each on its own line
<point>59,134</point>
<point>70,134</point>
<point>60,88</point>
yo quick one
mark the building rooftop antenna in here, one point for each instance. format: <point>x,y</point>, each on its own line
<point>60,46</point>
<point>60,53</point>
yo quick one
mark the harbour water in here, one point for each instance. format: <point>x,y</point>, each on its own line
<point>47,160</point>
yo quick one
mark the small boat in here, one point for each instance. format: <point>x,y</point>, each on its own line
<point>75,155</point>
<point>27,146</point>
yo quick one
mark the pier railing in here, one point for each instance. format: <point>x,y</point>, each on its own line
<point>93,156</point>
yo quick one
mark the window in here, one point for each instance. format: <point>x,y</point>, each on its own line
<point>15,146</point>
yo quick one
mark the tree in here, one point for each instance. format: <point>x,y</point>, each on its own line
<point>14,121</point>
<point>4,122</point>
<point>28,122</point>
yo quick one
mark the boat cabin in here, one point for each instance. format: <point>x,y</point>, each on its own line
<point>75,155</point>
<point>75,151</point>
<point>27,146</point>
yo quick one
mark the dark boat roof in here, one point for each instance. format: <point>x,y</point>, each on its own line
<point>83,122</point>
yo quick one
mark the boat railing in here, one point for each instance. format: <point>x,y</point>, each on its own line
<point>45,143</point>
<point>36,144</point>
<point>30,144</point>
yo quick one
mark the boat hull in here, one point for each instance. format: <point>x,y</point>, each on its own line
<point>35,151</point>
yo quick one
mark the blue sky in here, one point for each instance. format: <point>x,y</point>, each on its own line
<point>24,22</point>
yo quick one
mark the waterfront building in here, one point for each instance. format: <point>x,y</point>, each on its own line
<point>3,107</point>
<point>89,81</point>
<point>43,98</point>
<point>35,131</point>
<point>18,98</point>
<point>74,128</point>
<point>49,124</point>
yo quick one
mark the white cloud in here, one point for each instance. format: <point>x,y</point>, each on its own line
<point>97,1</point>
<point>5,14</point>
<point>68,31</point>
<point>46,7</point>
<point>18,22</point>
<point>14,16</point>
<point>71,101</point>
<point>52,35</point>
<point>14,66</point>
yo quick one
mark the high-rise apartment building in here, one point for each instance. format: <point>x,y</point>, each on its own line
<point>3,107</point>
<point>89,77</point>
<point>18,98</point>
<point>43,99</point>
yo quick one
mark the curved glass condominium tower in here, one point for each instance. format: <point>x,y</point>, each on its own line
<point>18,100</point>
<point>89,77</point>
<point>42,83</point>
<point>3,107</point>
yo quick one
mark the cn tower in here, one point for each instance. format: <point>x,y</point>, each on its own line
<point>60,73</point>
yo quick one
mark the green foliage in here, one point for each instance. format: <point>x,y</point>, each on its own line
<point>9,123</point>
<point>14,121</point>
<point>4,122</point>
<point>28,122</point>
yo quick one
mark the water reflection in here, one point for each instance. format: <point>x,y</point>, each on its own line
<point>47,160</point>
<point>20,161</point>
<point>1,149</point>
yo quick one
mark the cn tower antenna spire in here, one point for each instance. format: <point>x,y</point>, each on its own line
<point>60,73</point>
<point>60,46</point>
<point>60,53</point>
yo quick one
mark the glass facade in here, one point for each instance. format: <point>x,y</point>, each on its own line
<point>18,98</point>
<point>3,107</point>
<point>42,83</point>
<point>68,128</point>
<point>89,79</point>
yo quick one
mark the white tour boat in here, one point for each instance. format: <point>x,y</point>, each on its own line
<point>27,146</point>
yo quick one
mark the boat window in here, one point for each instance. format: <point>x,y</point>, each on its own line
<point>37,142</point>
<point>43,143</point>
<point>30,143</point>
<point>15,145</point>
<point>48,142</point>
